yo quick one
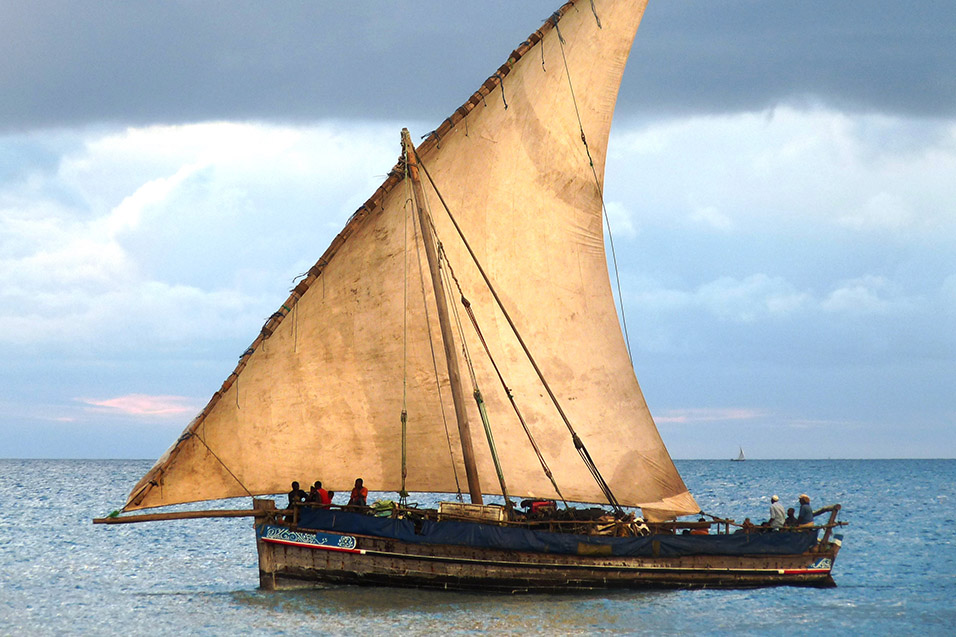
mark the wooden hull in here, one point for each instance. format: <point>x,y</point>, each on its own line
<point>302,558</point>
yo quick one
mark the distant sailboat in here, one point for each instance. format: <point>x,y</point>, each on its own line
<point>740,457</point>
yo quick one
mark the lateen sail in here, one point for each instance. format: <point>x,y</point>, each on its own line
<point>320,394</point>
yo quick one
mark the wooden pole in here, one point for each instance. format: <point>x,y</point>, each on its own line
<point>451,357</point>
<point>185,515</point>
<point>834,510</point>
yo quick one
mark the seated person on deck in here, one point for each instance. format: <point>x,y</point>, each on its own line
<point>325,497</point>
<point>701,530</point>
<point>791,518</point>
<point>359,494</point>
<point>746,527</point>
<point>805,517</point>
<point>296,495</point>
<point>777,518</point>
<point>318,495</point>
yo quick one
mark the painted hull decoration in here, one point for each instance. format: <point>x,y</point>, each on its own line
<point>281,535</point>
<point>476,270</point>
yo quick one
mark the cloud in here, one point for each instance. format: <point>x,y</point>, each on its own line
<point>169,233</point>
<point>143,405</point>
<point>699,56</point>
<point>738,300</point>
<point>756,296</point>
<point>882,210</point>
<point>710,216</point>
<point>759,297</point>
<point>127,216</point>
<point>795,261</point>
<point>801,237</point>
<point>798,170</point>
<point>831,425</point>
<point>695,415</point>
<point>862,297</point>
<point>114,62</point>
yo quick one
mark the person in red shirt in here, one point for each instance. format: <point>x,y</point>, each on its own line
<point>324,497</point>
<point>319,495</point>
<point>359,494</point>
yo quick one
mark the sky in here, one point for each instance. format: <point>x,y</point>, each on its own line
<point>781,186</point>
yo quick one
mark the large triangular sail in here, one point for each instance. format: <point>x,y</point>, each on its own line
<point>319,393</point>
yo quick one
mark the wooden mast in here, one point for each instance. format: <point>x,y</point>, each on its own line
<point>451,357</point>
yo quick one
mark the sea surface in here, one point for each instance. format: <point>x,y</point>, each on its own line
<point>61,575</point>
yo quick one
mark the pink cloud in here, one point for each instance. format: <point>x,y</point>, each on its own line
<point>709,415</point>
<point>142,405</point>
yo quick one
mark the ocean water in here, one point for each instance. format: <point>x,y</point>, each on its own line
<point>60,575</point>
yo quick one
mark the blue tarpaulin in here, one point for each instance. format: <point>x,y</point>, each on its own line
<point>518,539</point>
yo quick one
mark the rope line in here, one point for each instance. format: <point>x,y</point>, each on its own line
<point>501,83</point>
<point>224,466</point>
<point>596,18</point>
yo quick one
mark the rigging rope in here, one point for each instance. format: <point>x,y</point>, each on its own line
<point>596,18</point>
<point>501,83</point>
<point>597,183</point>
<point>209,449</point>
<point>578,443</point>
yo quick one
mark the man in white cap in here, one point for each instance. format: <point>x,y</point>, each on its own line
<point>777,514</point>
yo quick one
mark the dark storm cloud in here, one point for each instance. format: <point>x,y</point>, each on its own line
<point>77,63</point>
<point>867,55</point>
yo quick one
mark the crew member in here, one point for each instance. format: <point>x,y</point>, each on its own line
<point>359,494</point>
<point>777,516</point>
<point>805,517</point>
<point>296,495</point>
